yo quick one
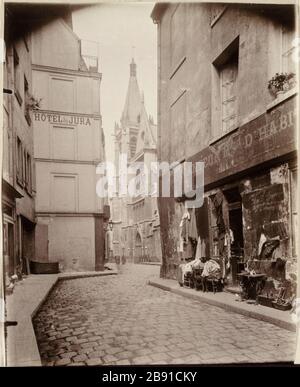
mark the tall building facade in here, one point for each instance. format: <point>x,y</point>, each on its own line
<point>215,106</point>
<point>135,219</point>
<point>68,145</point>
<point>18,184</point>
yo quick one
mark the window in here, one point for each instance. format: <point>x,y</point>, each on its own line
<point>28,180</point>
<point>6,169</point>
<point>287,49</point>
<point>24,167</point>
<point>19,162</point>
<point>27,99</point>
<point>225,90</point>
<point>17,77</point>
<point>150,229</point>
<point>228,92</point>
<point>133,141</point>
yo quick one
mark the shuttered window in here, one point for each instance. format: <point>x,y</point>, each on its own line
<point>287,49</point>
<point>228,83</point>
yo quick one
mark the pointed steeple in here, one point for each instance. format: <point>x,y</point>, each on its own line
<point>132,68</point>
<point>133,99</point>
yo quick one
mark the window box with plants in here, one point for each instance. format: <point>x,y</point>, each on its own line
<point>31,103</point>
<point>281,83</point>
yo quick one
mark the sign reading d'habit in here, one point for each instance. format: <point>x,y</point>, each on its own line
<point>55,118</point>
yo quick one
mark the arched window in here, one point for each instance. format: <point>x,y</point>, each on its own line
<point>133,141</point>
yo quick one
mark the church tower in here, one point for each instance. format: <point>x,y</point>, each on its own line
<point>135,219</point>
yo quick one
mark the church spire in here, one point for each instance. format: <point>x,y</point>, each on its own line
<point>133,68</point>
<point>131,110</point>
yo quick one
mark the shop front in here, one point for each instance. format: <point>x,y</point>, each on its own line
<point>248,220</point>
<point>10,245</point>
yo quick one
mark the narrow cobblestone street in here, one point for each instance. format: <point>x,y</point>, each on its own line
<point>122,320</point>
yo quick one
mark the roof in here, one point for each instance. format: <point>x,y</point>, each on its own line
<point>158,11</point>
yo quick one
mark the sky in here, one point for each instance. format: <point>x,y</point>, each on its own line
<point>122,31</point>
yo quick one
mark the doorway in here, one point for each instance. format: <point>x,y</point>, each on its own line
<point>8,248</point>
<point>235,214</point>
<point>138,248</point>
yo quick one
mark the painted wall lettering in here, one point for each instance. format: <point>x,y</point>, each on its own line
<point>55,118</point>
<point>270,135</point>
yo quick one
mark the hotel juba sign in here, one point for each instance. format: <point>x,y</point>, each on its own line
<point>61,118</point>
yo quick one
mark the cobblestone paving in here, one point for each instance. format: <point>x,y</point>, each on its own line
<point>122,320</point>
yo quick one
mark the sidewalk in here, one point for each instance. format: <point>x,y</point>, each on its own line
<point>23,304</point>
<point>227,301</point>
<point>150,263</point>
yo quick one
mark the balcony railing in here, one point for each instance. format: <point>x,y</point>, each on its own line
<point>89,53</point>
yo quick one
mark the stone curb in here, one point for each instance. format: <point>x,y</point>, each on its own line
<point>65,277</point>
<point>245,310</point>
<point>70,276</point>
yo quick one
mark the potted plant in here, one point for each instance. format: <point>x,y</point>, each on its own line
<point>281,82</point>
<point>31,103</point>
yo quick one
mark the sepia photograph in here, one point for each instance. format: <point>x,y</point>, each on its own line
<point>149,190</point>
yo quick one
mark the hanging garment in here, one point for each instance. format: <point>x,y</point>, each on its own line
<point>203,248</point>
<point>181,245</point>
<point>192,225</point>
<point>218,204</point>
<point>189,249</point>
<point>191,235</point>
<point>199,249</point>
<point>221,208</point>
<point>188,235</point>
<point>261,242</point>
<point>231,234</point>
<point>268,248</point>
<point>183,231</point>
<point>183,228</point>
<point>221,245</point>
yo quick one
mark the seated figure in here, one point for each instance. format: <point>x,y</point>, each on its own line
<point>211,273</point>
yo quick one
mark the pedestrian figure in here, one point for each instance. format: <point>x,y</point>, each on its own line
<point>118,263</point>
